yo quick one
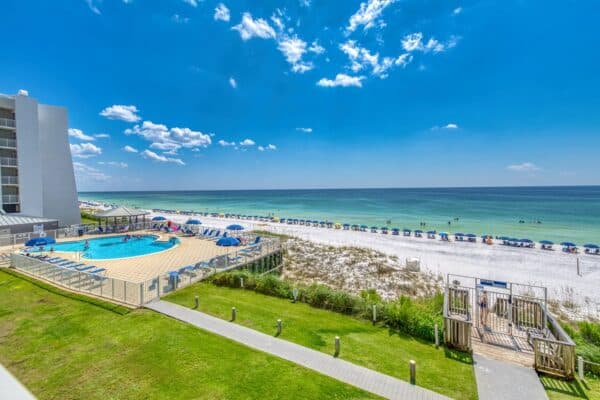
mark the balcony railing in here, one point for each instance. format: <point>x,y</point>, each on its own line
<point>10,199</point>
<point>11,143</point>
<point>10,180</point>
<point>7,123</point>
<point>8,161</point>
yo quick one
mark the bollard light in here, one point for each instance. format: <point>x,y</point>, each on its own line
<point>278,327</point>
<point>413,372</point>
<point>337,346</point>
<point>233,314</point>
<point>196,302</point>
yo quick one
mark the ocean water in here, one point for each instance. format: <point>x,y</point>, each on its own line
<point>552,213</point>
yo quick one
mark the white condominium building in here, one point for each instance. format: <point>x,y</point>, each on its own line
<point>36,169</point>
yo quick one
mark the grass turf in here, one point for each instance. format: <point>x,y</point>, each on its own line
<point>558,389</point>
<point>62,346</point>
<point>441,370</point>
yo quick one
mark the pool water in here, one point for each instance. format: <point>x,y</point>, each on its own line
<point>105,248</point>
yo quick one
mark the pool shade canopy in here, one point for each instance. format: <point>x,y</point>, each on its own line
<point>235,227</point>
<point>40,241</point>
<point>228,241</point>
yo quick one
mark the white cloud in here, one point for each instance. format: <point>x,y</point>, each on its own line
<point>457,10</point>
<point>293,48</point>
<point>524,167</point>
<point>85,173</point>
<point>119,164</point>
<point>316,48</point>
<point>130,149</point>
<point>450,126</point>
<point>102,135</point>
<point>247,142</point>
<point>225,143</point>
<point>305,3</point>
<point>78,134</point>
<point>179,19</point>
<point>222,13</point>
<point>91,4</point>
<point>341,80</point>
<point>304,130</point>
<point>368,15</point>
<point>172,139</point>
<point>121,112</point>
<point>414,42</point>
<point>233,83</point>
<point>361,58</point>
<point>193,3</point>
<point>85,150</point>
<point>270,147</point>
<point>249,28</point>
<point>160,158</point>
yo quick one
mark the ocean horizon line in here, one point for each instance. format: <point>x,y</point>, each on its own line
<point>344,188</point>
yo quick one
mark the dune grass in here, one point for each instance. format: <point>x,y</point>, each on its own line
<point>65,346</point>
<point>441,370</point>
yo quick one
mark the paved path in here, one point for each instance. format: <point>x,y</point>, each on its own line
<point>507,381</point>
<point>11,388</point>
<point>363,378</point>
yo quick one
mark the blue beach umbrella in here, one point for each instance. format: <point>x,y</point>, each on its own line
<point>591,246</point>
<point>193,222</point>
<point>159,218</point>
<point>40,241</point>
<point>568,244</point>
<point>235,227</point>
<point>228,241</point>
<point>546,242</point>
<point>470,235</point>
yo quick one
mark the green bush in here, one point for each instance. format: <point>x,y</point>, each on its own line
<point>412,316</point>
<point>590,332</point>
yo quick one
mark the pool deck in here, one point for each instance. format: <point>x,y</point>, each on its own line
<point>190,250</point>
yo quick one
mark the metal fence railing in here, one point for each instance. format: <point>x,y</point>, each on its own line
<point>7,123</point>
<point>139,293</point>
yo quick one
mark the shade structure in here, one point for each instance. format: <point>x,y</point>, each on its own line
<point>591,246</point>
<point>470,235</point>
<point>228,241</point>
<point>193,222</point>
<point>546,242</point>
<point>568,244</point>
<point>159,218</point>
<point>120,212</point>
<point>40,241</point>
<point>235,227</point>
<point>525,241</point>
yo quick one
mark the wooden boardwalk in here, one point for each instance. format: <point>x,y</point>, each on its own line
<point>360,377</point>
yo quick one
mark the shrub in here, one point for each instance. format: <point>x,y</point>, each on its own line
<point>590,332</point>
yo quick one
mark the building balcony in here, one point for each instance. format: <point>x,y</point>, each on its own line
<point>8,162</point>
<point>10,180</point>
<point>8,143</point>
<point>10,199</point>
<point>8,123</point>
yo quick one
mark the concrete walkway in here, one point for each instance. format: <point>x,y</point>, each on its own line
<point>11,388</point>
<point>360,377</point>
<point>507,381</point>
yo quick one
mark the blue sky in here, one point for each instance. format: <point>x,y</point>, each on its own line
<point>308,94</point>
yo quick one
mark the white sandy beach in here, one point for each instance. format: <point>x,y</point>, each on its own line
<point>555,270</point>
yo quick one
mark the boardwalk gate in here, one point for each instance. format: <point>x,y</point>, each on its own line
<point>503,313</point>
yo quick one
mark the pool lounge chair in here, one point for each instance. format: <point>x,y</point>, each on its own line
<point>97,271</point>
<point>85,268</point>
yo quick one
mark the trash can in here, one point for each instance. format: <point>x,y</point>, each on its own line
<point>80,231</point>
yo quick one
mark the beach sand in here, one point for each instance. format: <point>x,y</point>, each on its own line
<point>578,294</point>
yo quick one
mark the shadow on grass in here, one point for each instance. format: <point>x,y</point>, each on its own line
<point>118,309</point>
<point>570,388</point>
<point>459,356</point>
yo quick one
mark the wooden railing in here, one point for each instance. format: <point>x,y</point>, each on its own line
<point>457,330</point>
<point>555,356</point>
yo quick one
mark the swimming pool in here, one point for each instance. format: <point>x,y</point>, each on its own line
<point>105,248</point>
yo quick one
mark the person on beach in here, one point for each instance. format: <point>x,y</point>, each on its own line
<point>483,309</point>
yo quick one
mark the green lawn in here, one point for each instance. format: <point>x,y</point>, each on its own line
<point>562,390</point>
<point>374,347</point>
<point>64,346</point>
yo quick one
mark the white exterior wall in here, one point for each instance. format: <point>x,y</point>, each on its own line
<point>28,155</point>
<point>59,190</point>
<point>45,168</point>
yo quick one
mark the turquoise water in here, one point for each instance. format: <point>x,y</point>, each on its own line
<point>105,248</point>
<point>564,213</point>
